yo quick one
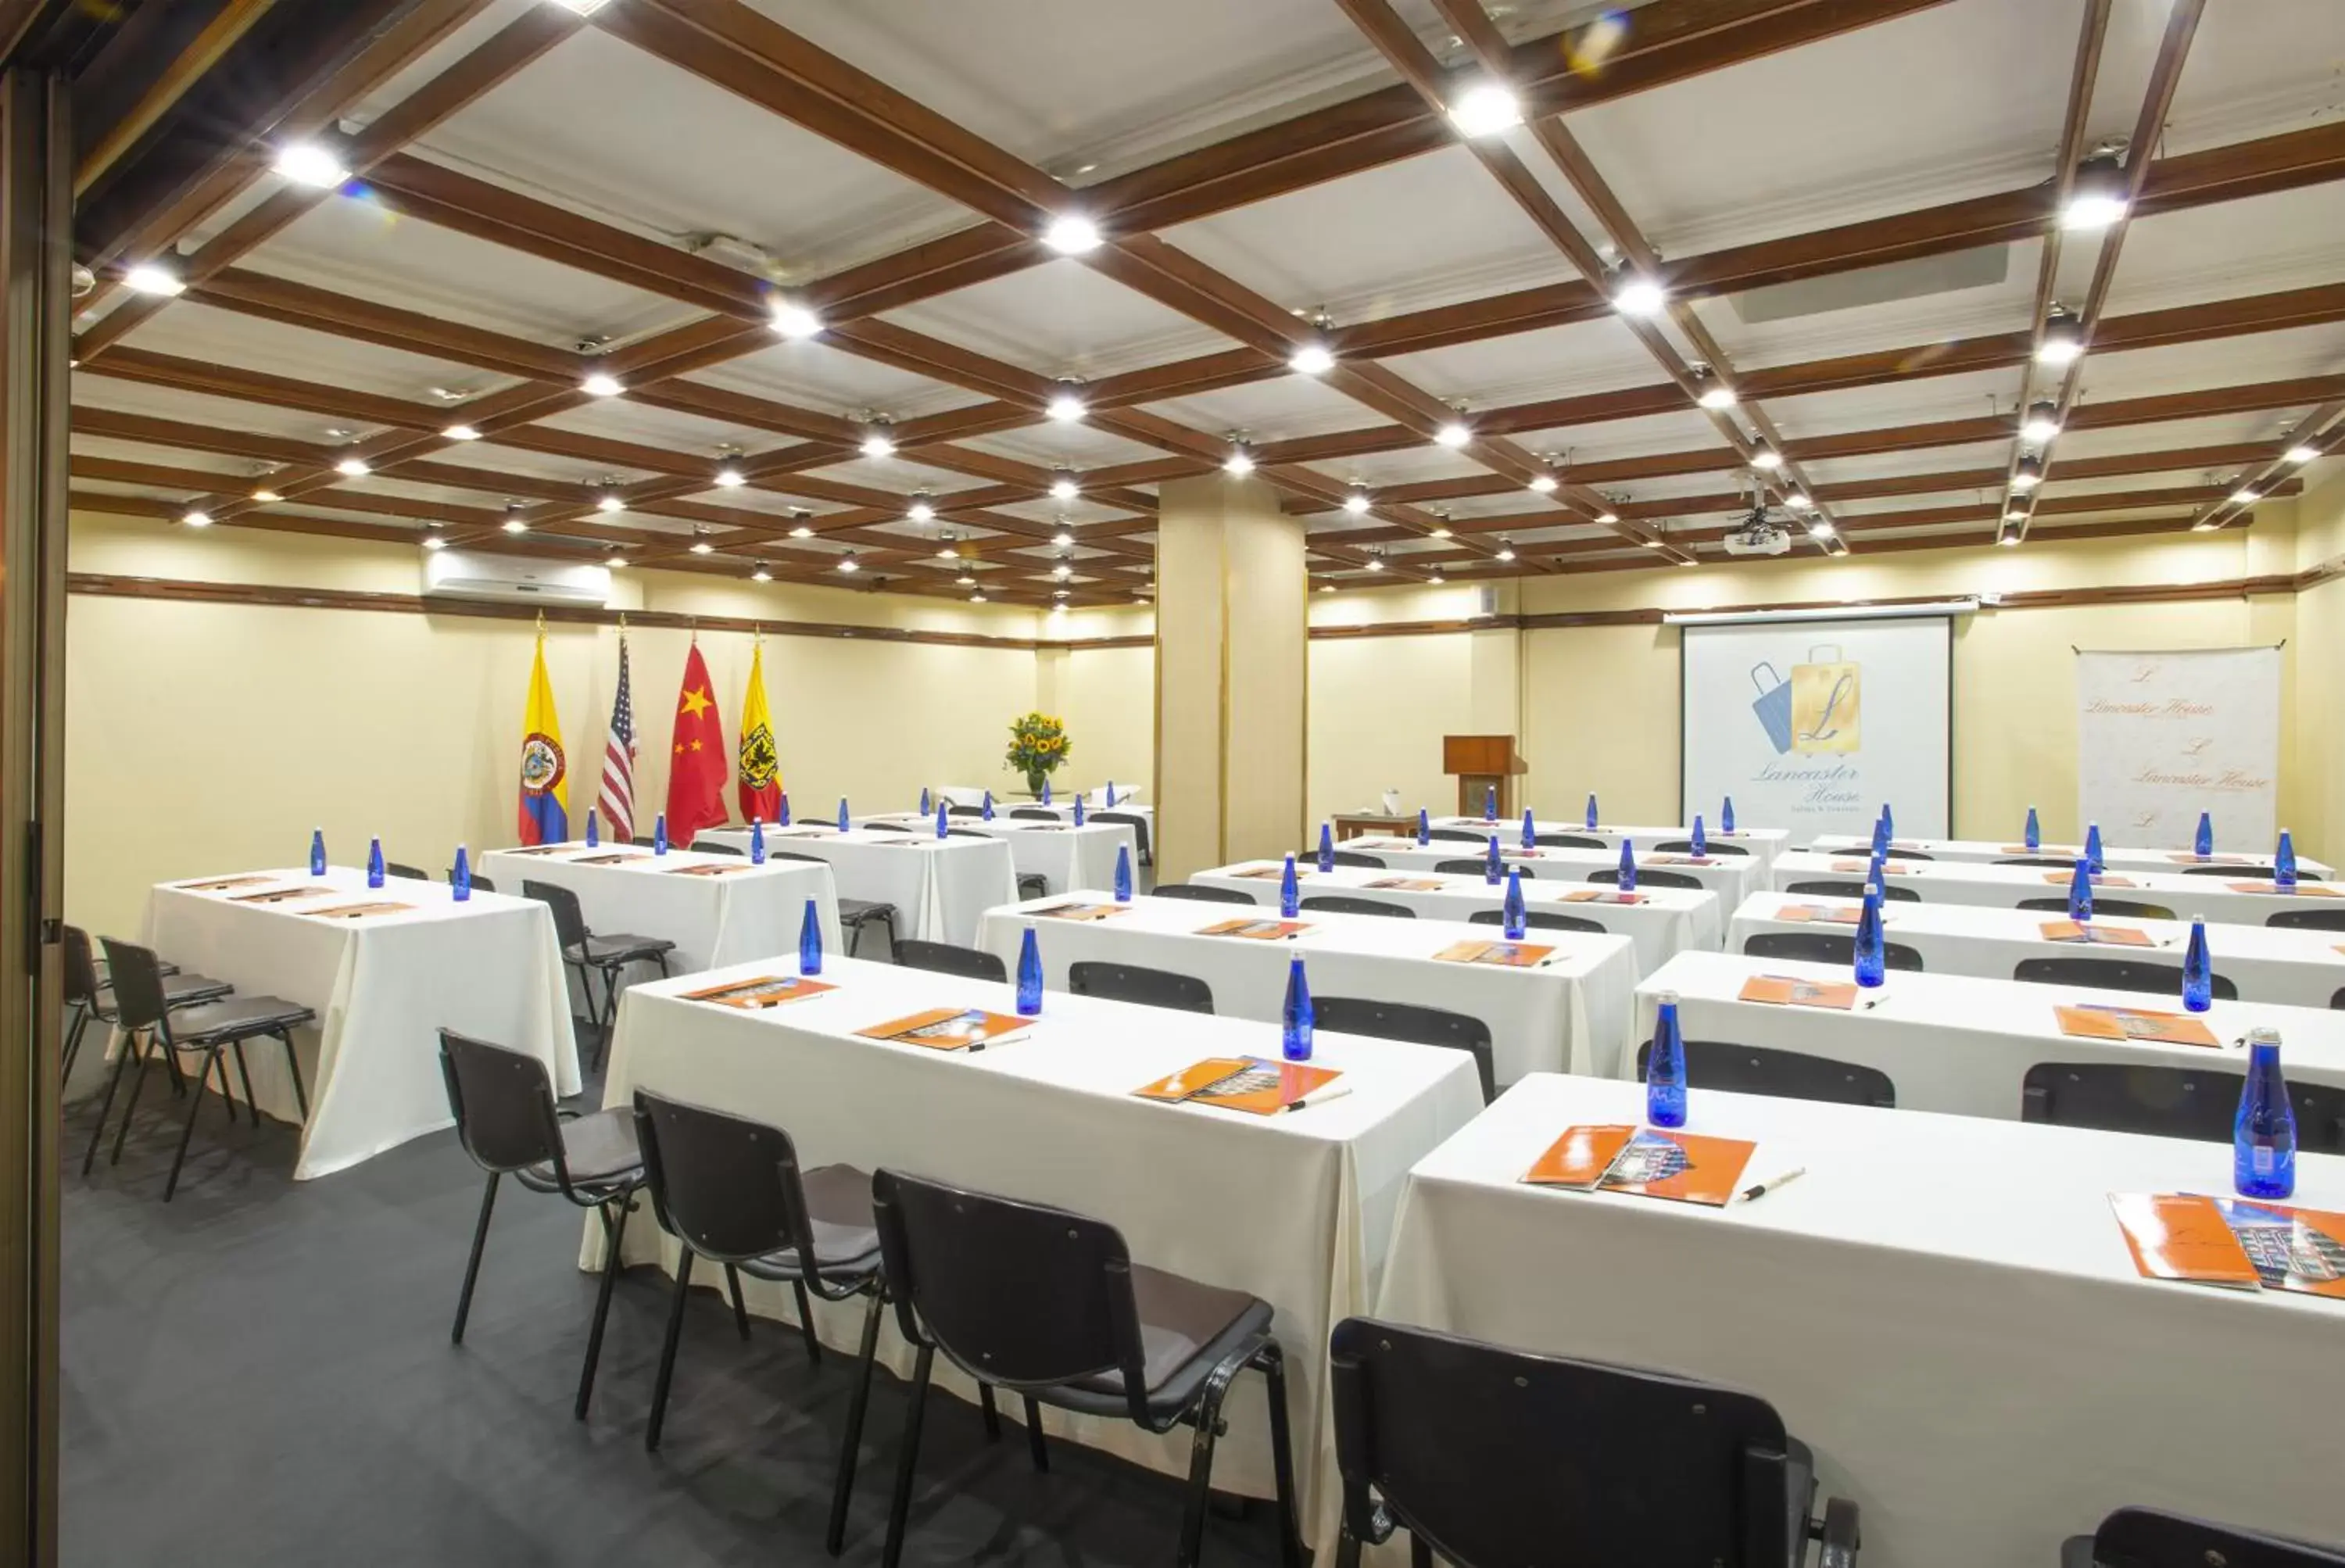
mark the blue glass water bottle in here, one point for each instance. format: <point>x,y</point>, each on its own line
<point>944,820</point>
<point>1326,848</point>
<point>2080,892</point>
<point>1493,867</point>
<point>1124,873</point>
<point>782,810</point>
<point>1888,821</point>
<point>1511,914</point>
<point>1726,816</point>
<point>2204,844</point>
<point>1880,837</point>
<point>756,841</point>
<point>1111,793</point>
<point>459,878</point>
<point>2093,848</point>
<point>846,823</point>
<point>594,832</point>
<point>374,862</point>
<point>1424,828</point>
<point>317,851</point>
<point>659,834</point>
<point>1628,873</point>
<point>2284,862</point>
<point>2197,969</point>
<point>1046,789</point>
<point>1591,811</point>
<point>1289,893</point>
<point>1665,1067</point>
<point>2263,1134</point>
<point>1490,803</point>
<point>1699,842</point>
<point>985,811</point>
<point>1294,1015</point>
<point>1531,832</point>
<point>1078,811</point>
<point>1872,952</point>
<point>924,799</point>
<point>2034,837</point>
<point>810,942</point>
<point>1029,976</point>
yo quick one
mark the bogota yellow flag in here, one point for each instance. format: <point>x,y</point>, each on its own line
<point>545,771</point>
<point>760,781</point>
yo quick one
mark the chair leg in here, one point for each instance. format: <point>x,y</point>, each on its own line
<point>243,1070</point>
<point>293,1065</point>
<point>1420,1555</point>
<point>1347,1549</point>
<point>1208,1418</point>
<point>73,1043</point>
<point>992,1415</point>
<point>740,1309</point>
<point>130,1106</point>
<point>112,1082</point>
<point>1272,1359</point>
<point>610,1017</point>
<point>188,1128</point>
<point>899,1507</point>
<point>844,1486</point>
<point>667,1350</point>
<point>473,1264</point>
<point>593,1013</point>
<point>1034,1443</point>
<point>615,1230</point>
<point>805,1324</point>
<point>855,939</point>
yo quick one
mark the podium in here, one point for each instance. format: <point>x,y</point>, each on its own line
<point>1483,763</point>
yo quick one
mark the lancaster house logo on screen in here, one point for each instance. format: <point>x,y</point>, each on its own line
<point>1816,712</point>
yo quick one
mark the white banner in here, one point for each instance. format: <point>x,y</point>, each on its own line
<point>2162,736</point>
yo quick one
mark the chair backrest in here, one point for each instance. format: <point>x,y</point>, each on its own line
<point>1471,869</point>
<point>1826,947</point>
<point>81,967</point>
<point>957,810</point>
<point>1785,1074</point>
<point>1905,855</point>
<point>1569,841</point>
<point>719,847</point>
<point>2336,999</point>
<point>1134,983</point>
<point>1019,1294</point>
<point>480,883</point>
<point>943,958</point>
<point>729,1187</point>
<point>1340,903</point>
<point>569,922</point>
<point>1035,813</point>
<point>1417,1025</point>
<point>2149,1538</point>
<point>393,868</point>
<point>795,855</point>
<point>1843,891</point>
<point>503,1105</point>
<point>2101,906</point>
<point>1353,858</point>
<point>1646,878</point>
<point>1543,919</point>
<point>1494,1456</point>
<point>1201,893</point>
<point>2245,873</point>
<point>2116,975</point>
<point>1685,846</point>
<point>2308,920</point>
<point>2066,863</point>
<point>2171,1102</point>
<point>1131,819</point>
<point>967,833</point>
<point>886,828</point>
<point>138,977</point>
<point>1460,835</point>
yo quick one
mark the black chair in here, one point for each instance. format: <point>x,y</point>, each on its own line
<point>946,959</point>
<point>591,955</point>
<point>1131,819</point>
<point>885,826</point>
<point>1905,855</point>
<point>1784,1075</point>
<point>1200,893</point>
<point>1826,947</point>
<point>90,998</point>
<point>1032,885</point>
<point>2337,999</point>
<point>1341,858</point>
<point>1340,903</point>
<point>393,868</point>
<point>2170,1102</point>
<point>1474,868</point>
<point>481,884</point>
<point>2308,920</point>
<point>964,810</point>
<point>719,847</point>
<point>1685,846</point>
<point>2245,873</point>
<point>2116,975</point>
<point>1539,919</point>
<point>1493,1458</point>
<point>2062,862</point>
<point>505,1118</point>
<point>1132,983</point>
<point>1890,891</point>
<point>853,913</point>
<point>2134,907</point>
<point>1567,842</point>
<point>1417,1025</point>
<point>967,833</point>
<point>1034,813</point>
<point>1460,835</point>
<point>641,842</point>
<point>2148,1538</point>
<point>142,1010</point>
<point>730,1190</point>
<point>1049,1305</point>
<point>1646,878</point>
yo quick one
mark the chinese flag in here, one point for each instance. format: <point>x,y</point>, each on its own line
<point>696,768</point>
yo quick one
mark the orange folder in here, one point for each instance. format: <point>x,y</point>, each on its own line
<point>1893,868</point>
<point>222,884</point>
<point>714,869</point>
<point>2100,879</point>
<point>2093,1021</point>
<point>1253,1085</point>
<point>615,859</point>
<point>2106,935</point>
<point>1603,896</point>
<point>2301,890</point>
<point>1407,884</point>
<point>2182,1237</point>
<point>1082,912</point>
<point>1686,1167</point>
<point>1785,990</point>
<point>1678,860</point>
<point>947,1028</point>
<point>279,895</point>
<point>2071,850</point>
<point>1256,929</point>
<point>1503,954</point>
<point>358,911</point>
<point>762,992</point>
<point>2300,1250</point>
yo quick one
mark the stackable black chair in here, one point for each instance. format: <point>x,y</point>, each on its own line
<point>964,810</point>
<point>719,847</point>
<point>1032,885</point>
<point>506,1120</point>
<point>1568,842</point>
<point>90,998</point>
<point>1417,1025</point>
<point>1460,835</point>
<point>2133,909</point>
<point>2148,1538</point>
<point>1905,855</point>
<point>211,1030</point>
<point>883,827</point>
<point>2245,873</point>
<point>2116,975</point>
<point>1131,819</point>
<point>1826,947</point>
<point>1479,868</point>
<point>853,913</point>
<point>967,833</point>
<point>1685,846</point>
<point>946,959</point>
<point>2197,1103</point>
<point>2066,863</point>
<point>1199,893</point>
<point>1646,878</point>
<point>1493,1458</point>
<point>1539,919</point>
<point>1135,982</point>
<point>1050,1305</point>
<point>730,1190</point>
<point>481,884</point>
<point>1341,858</point>
<point>1341,903</point>
<point>2308,920</point>
<point>1891,892</point>
<point>1784,1074</point>
<point>591,955</point>
<point>1035,813</point>
<point>393,868</point>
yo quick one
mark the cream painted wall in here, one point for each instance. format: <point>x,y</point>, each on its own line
<point>2319,803</point>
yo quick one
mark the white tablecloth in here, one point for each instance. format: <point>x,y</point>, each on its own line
<point>1062,854</point>
<point>1954,1043</point>
<point>2115,857</point>
<point>1944,1308</point>
<point>749,911</point>
<point>2293,968</point>
<point>382,987</point>
<point>1296,1209</point>
<point>1733,878</point>
<point>1564,1016</point>
<point>940,887</point>
<point>1764,843</point>
<point>2003,887</point>
<point>1667,919</point>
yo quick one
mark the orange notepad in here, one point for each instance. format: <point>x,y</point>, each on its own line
<point>2211,860</point>
<point>359,912</point>
<point>1407,884</point>
<point>947,1028</point>
<point>1271,873</point>
<point>279,895</point>
<point>2094,1021</point>
<point>1894,867</point>
<point>1258,930</point>
<point>614,858</point>
<point>222,884</point>
<point>1503,954</point>
<point>1790,991</point>
<point>1603,896</point>
<point>2301,890</point>
<point>713,868</point>
<point>1678,860</point>
<point>1645,1161</point>
<point>2100,879</point>
<point>1823,912</point>
<point>762,992</point>
<point>2071,851</point>
<point>538,849</point>
<point>2107,935</point>
<point>1254,1085</point>
<point>1082,912</point>
<point>2236,1243</point>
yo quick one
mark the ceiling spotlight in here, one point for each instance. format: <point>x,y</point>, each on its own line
<point>1608,517</point>
<point>1687,560</point>
<point>1506,549</point>
<point>352,468</point>
<point>1455,434</point>
<point>1764,457</point>
<point>601,385</point>
<point>801,531</point>
<point>1713,394</point>
<point>2016,514</point>
<point>1357,504</point>
<point>879,440</point>
<point>1239,465</point>
<point>1072,234</point>
<point>965,580</point>
<point>977,598</point>
<point>584,8</point>
<point>921,511</point>
<point>2042,423</point>
<point>1634,294</point>
<point>1058,593</point>
<point>610,503</point>
<point>196,519</point>
<point>847,563</point>
<point>1485,109</point>
<point>2026,474</point>
<point>2098,198</point>
<point>2007,539</point>
<point>1058,609</point>
<point>1820,528</point>
<point>307,163</point>
<point>2246,495</point>
<point>1062,571</point>
<point>2063,340</point>
<point>1437,579</point>
<point>2300,455</point>
<point>155,278</point>
<point>795,321</point>
<point>1064,488</point>
<point>515,526</point>
<point>1543,483</point>
<point>1066,404</point>
<point>266,495</point>
<point>614,561</point>
<point>1796,499</point>
<point>760,575</point>
<point>434,540</point>
<point>1376,562</point>
<point>702,548</point>
<point>1441,533</point>
<point>1651,544</point>
<point>730,478</point>
<point>946,549</point>
<point>1062,538</point>
<point>460,433</point>
<point>1312,359</point>
<point>2204,525</point>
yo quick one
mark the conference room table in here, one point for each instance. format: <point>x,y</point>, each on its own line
<point>1731,877</point>
<point>716,908</point>
<point>1957,1044</point>
<point>1943,1308</point>
<point>2267,963</point>
<point>2242,902</point>
<point>1295,1208</point>
<point>383,984</point>
<point>1659,920</point>
<point>1062,854</point>
<point>2114,856</point>
<point>1763,844</point>
<point>940,886</point>
<point>1566,1013</point>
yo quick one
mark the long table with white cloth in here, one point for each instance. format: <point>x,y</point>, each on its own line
<point>2242,902</point>
<point>1943,1308</point>
<point>940,886</point>
<point>1297,1208</point>
<point>2266,964</point>
<point>1731,877</point>
<point>1563,1015</point>
<point>382,984</point>
<point>2114,857</point>
<point>1659,920</point>
<point>1959,1045</point>
<point>1763,844</point>
<point>1063,855</point>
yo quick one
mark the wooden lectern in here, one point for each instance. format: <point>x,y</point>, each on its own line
<point>1482,763</point>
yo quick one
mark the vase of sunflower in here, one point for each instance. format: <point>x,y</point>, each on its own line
<point>1037,743</point>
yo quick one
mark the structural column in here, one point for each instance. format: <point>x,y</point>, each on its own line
<point>1231,591</point>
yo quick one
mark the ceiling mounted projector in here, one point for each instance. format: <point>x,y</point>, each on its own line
<point>1757,535</point>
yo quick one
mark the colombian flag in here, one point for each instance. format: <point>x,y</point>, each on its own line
<point>760,782</point>
<point>545,771</point>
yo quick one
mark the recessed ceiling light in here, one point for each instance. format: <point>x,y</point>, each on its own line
<point>965,580</point>
<point>1797,499</point>
<point>878,441</point>
<point>1486,109</point>
<point>2204,525</point>
<point>1440,532</point>
<point>1506,549</point>
<point>1437,579</point>
<point>702,548</point>
<point>1062,538</point>
<point>947,550</point>
<point>977,598</point>
<point>602,385</point>
<point>155,278</point>
<point>921,510</point>
<point>801,531</point>
<point>2007,539</point>
<point>1651,544</point>
<point>614,561</point>
<point>1764,457</point>
<point>1455,434</point>
<point>196,519</point>
<point>610,503</point>
<point>1687,560</point>
<point>2246,495</point>
<point>847,564</point>
<point>794,321</point>
<point>760,575</point>
<point>1608,517</point>
<point>1713,394</point>
<point>352,468</point>
<point>2041,423</point>
<point>460,433</point>
<point>265,496</point>
<point>2063,340</point>
<point>1240,464</point>
<point>434,541</point>
<point>1066,406</point>
<point>1062,571</point>
<point>1072,234</point>
<point>1065,488</point>
<point>1312,360</point>
<point>1355,503</point>
<point>2301,455</point>
<point>1376,562</point>
<point>311,164</point>
<point>515,526</point>
<point>1819,528</point>
<point>730,478</point>
<point>2097,197</point>
<point>1634,294</point>
<point>2026,474</point>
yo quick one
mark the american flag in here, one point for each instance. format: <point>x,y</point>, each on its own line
<point>618,800</point>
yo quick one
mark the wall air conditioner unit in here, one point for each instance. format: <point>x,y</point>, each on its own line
<point>513,579</point>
